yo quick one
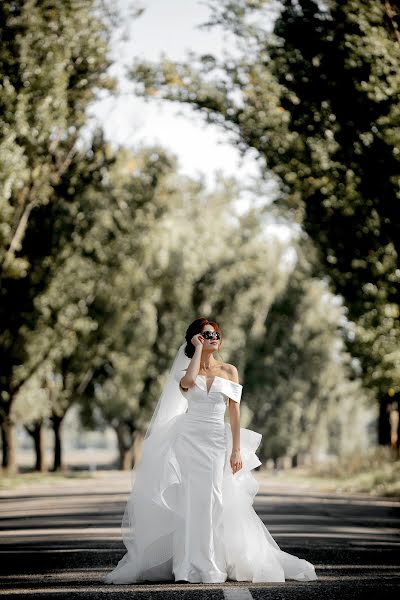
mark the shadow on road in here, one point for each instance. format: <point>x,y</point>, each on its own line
<point>60,541</point>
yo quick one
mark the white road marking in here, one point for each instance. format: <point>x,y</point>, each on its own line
<point>237,594</point>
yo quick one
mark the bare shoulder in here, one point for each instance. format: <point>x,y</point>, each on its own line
<point>231,372</point>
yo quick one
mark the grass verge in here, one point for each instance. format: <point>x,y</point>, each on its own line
<point>376,472</point>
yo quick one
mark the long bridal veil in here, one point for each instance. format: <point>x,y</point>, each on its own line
<point>171,402</point>
<point>146,525</point>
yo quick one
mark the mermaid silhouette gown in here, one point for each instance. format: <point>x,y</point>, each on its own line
<point>188,516</point>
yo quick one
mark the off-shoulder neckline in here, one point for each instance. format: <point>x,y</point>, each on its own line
<point>217,377</point>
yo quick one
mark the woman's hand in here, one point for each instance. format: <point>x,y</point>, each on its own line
<point>236,461</point>
<point>197,340</point>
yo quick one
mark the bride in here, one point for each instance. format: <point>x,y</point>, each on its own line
<point>190,516</point>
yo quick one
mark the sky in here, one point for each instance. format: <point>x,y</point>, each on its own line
<point>202,150</point>
<point>169,26</point>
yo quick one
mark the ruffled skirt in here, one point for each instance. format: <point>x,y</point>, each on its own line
<point>188,517</point>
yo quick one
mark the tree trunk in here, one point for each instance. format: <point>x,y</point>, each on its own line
<point>125,446</point>
<point>9,460</point>
<point>395,427</point>
<point>137,447</point>
<point>313,447</point>
<point>39,448</point>
<point>384,426</point>
<point>37,433</point>
<point>58,464</point>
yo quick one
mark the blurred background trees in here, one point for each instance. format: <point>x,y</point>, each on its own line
<point>318,100</point>
<point>108,254</point>
<point>53,60</point>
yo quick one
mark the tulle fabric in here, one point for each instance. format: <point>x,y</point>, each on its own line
<point>153,514</point>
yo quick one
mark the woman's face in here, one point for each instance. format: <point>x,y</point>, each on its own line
<point>213,343</point>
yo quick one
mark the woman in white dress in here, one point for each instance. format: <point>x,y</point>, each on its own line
<point>190,515</point>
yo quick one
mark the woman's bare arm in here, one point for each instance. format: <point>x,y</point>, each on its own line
<point>188,380</point>
<point>234,416</point>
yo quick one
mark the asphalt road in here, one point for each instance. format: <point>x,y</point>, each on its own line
<point>58,542</point>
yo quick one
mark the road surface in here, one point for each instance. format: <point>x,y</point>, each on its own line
<point>58,541</point>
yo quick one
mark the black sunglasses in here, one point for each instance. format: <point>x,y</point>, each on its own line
<point>210,335</point>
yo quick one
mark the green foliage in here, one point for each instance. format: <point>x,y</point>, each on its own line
<point>304,393</point>
<point>53,59</point>
<point>108,254</point>
<point>318,99</point>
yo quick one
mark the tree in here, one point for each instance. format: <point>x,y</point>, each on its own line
<point>299,376</point>
<point>53,59</point>
<point>318,100</point>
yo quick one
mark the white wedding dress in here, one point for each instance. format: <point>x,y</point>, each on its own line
<point>188,516</point>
